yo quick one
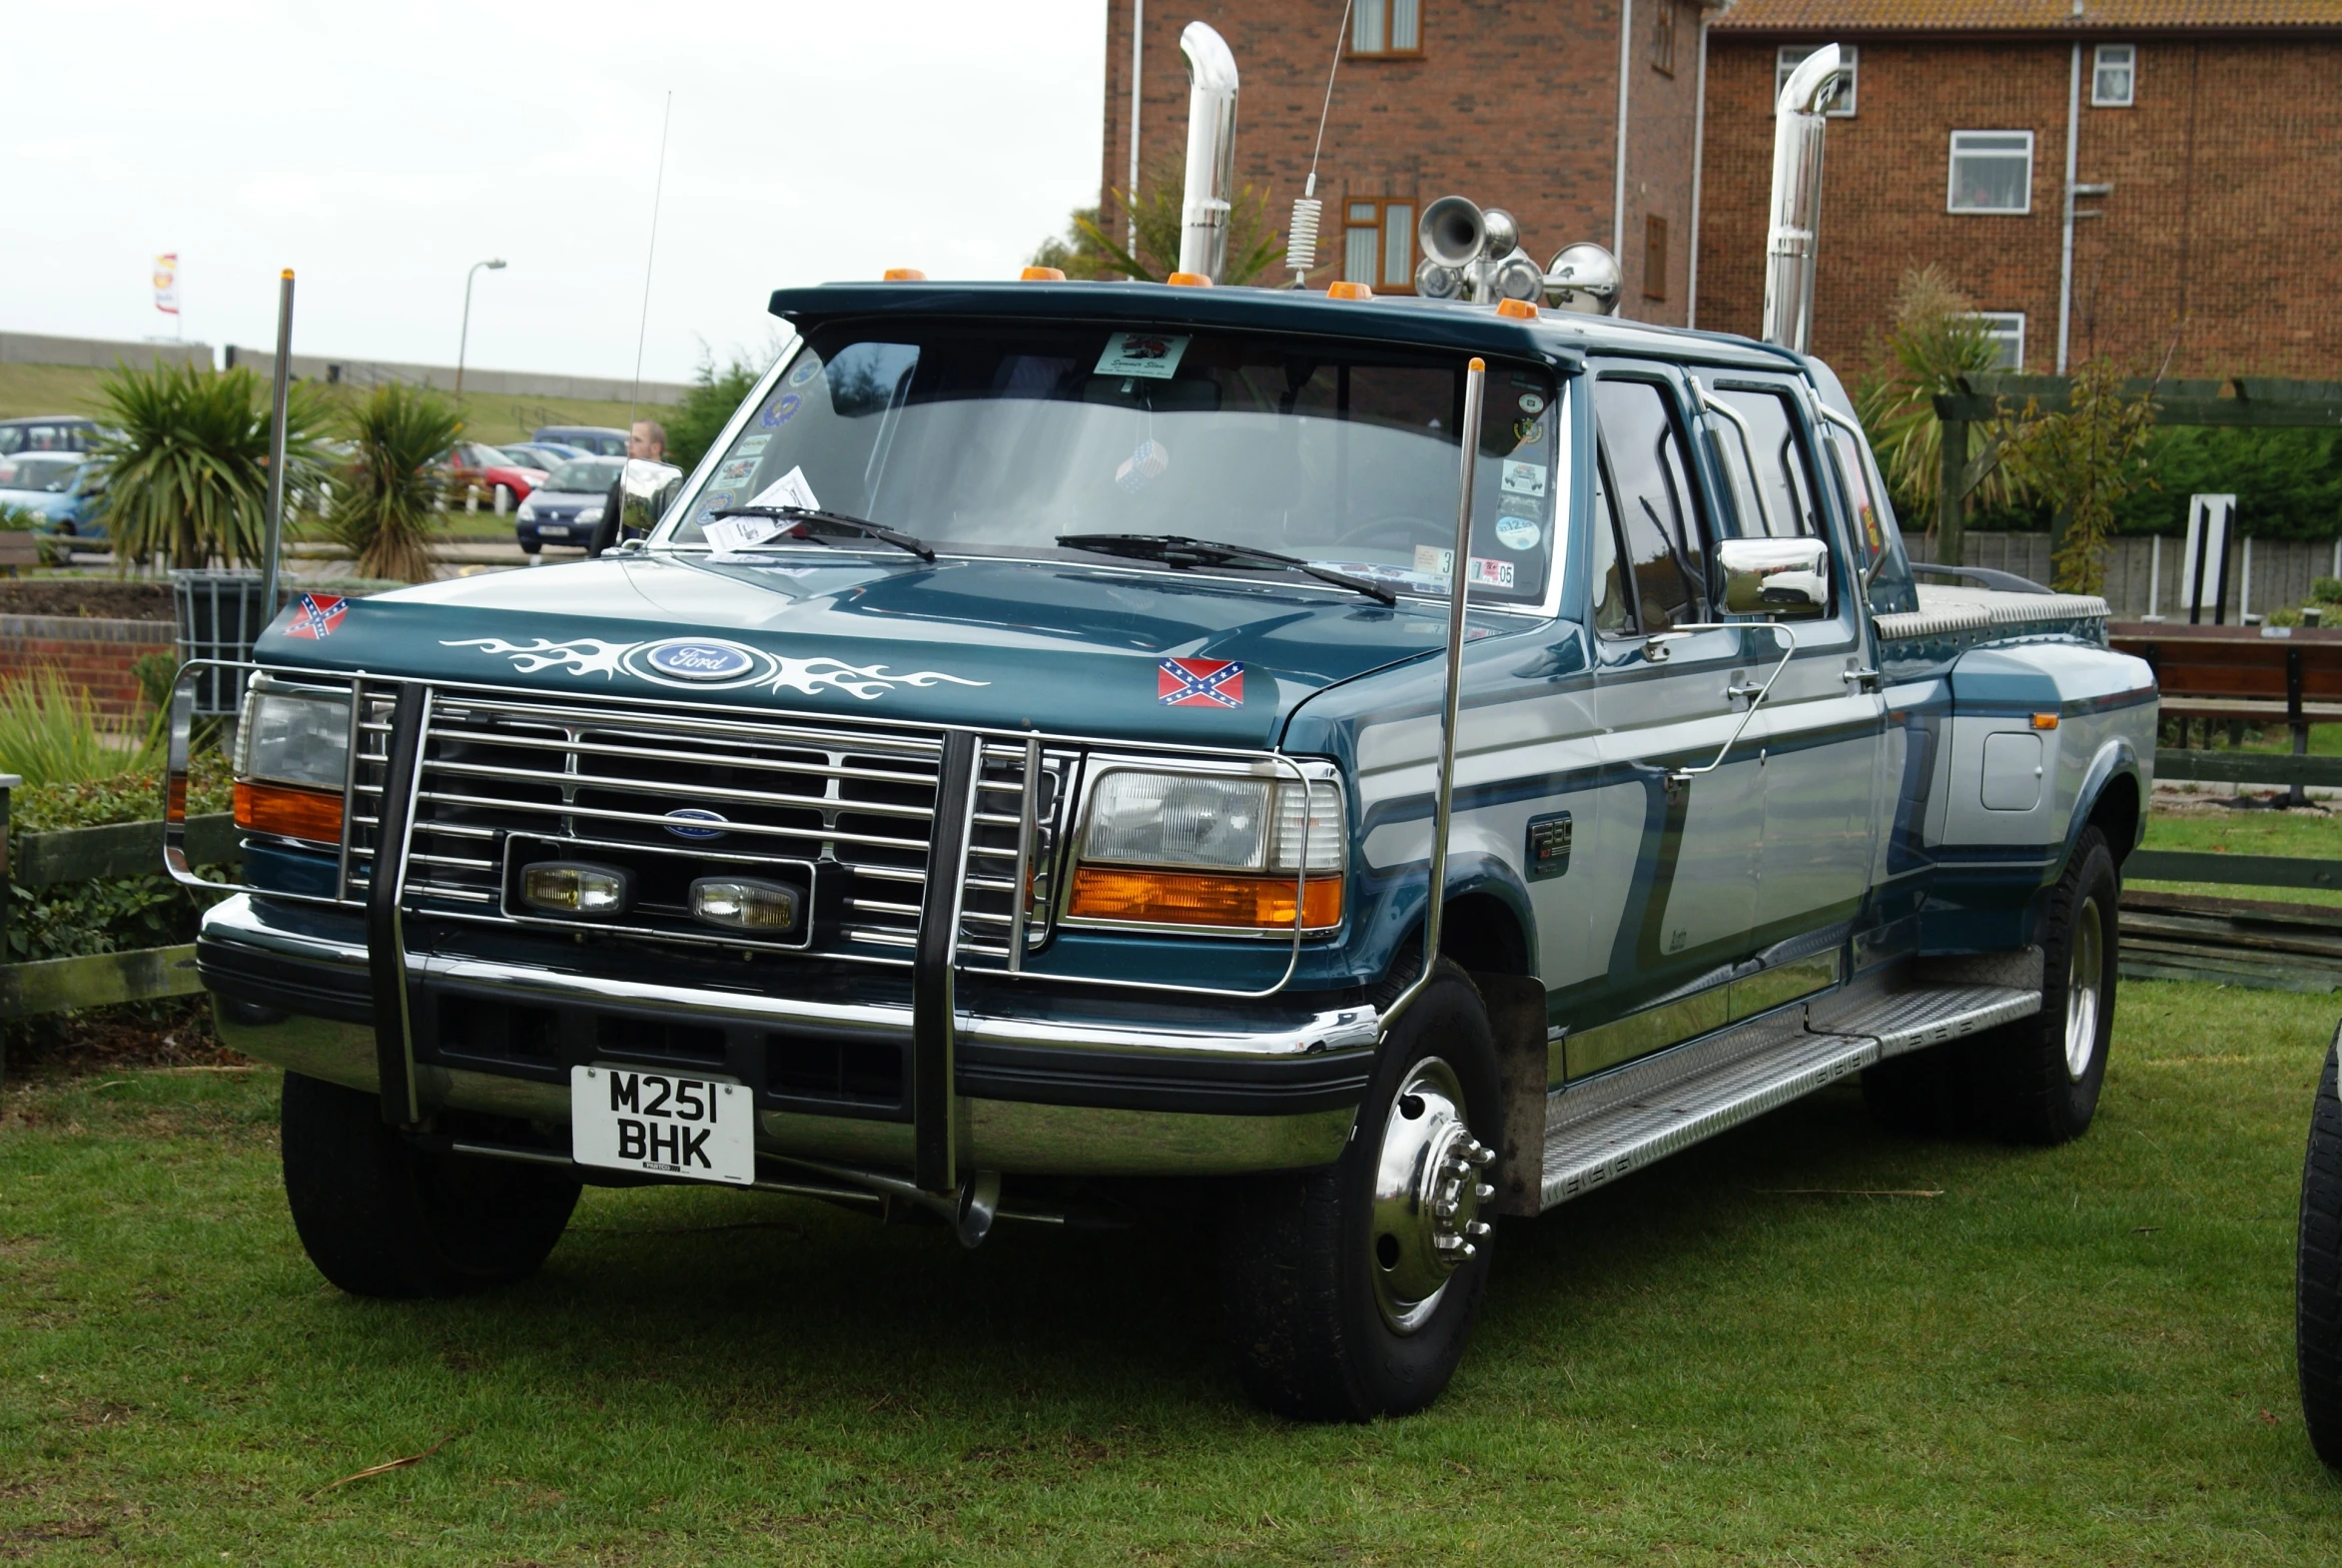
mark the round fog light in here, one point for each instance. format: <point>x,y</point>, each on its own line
<point>745,904</point>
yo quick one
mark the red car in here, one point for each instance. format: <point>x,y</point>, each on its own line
<point>475,463</point>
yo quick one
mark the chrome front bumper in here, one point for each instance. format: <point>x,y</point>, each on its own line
<point>1043,1130</point>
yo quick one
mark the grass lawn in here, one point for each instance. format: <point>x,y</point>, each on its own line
<point>2079,1355</point>
<point>2213,828</point>
<point>68,388</point>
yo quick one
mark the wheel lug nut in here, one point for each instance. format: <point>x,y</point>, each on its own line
<point>1479,1227</point>
<point>1483,1192</point>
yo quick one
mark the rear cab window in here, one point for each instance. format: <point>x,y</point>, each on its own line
<point>1650,541</point>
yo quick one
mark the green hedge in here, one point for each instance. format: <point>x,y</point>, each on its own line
<point>77,918</point>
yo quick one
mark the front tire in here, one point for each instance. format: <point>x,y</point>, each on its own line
<point>382,1216</point>
<point>2317,1270</point>
<point>1349,1290</point>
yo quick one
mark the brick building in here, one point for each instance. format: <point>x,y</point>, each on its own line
<point>1513,102</point>
<point>2204,140</point>
<point>2207,142</point>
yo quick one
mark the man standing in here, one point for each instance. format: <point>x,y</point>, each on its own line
<point>647,440</point>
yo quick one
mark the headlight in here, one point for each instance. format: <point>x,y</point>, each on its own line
<point>527,512</point>
<point>291,749</point>
<point>1198,850</point>
<point>590,514</point>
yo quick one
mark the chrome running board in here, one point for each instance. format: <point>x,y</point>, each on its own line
<point>1620,1121</point>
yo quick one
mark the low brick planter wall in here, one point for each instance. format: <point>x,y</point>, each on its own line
<point>93,655</point>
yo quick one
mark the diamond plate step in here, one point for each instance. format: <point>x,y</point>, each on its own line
<point>1610,1125</point>
<point>1902,1021</point>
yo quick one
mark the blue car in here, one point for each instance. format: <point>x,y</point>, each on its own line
<point>58,488</point>
<point>567,508</point>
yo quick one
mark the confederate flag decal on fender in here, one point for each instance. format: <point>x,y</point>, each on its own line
<point>315,616</point>
<point>1199,684</point>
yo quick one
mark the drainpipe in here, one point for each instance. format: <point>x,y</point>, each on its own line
<point>1626,45</point>
<point>2072,150</point>
<point>1138,55</point>
<point>1691,292</point>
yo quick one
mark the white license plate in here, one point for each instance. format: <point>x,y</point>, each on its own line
<point>660,1124</point>
<point>553,531</point>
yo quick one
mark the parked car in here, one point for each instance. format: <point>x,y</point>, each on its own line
<point>56,486</point>
<point>548,455</point>
<point>569,505</point>
<point>54,432</point>
<point>478,466</point>
<point>599,439</point>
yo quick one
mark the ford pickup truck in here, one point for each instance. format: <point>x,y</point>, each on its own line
<point>1396,764</point>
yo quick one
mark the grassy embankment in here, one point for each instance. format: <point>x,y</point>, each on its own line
<point>2077,1355</point>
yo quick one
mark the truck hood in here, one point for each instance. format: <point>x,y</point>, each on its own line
<point>1054,645</point>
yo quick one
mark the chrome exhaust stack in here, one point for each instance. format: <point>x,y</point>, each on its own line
<point>1790,256</point>
<point>1212,151</point>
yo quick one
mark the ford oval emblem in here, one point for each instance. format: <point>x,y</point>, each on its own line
<point>696,814</point>
<point>693,659</point>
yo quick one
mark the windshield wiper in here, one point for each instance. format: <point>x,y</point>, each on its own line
<point>1177,550</point>
<point>810,521</point>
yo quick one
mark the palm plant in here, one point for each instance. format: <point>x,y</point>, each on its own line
<point>384,503</point>
<point>52,733</point>
<point>1937,339</point>
<point>1160,211</point>
<point>187,465</point>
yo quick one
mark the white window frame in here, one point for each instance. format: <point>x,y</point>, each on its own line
<point>1952,176</point>
<point>2129,67</point>
<point>1841,104</point>
<point>2006,327</point>
<point>1374,24</point>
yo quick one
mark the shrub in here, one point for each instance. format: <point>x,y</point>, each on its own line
<point>383,505</point>
<point>1088,250</point>
<point>1935,342</point>
<point>75,918</point>
<point>52,734</point>
<point>2082,462</point>
<point>2326,590</point>
<point>186,470</point>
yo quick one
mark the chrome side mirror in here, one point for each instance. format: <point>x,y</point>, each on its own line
<point>643,491</point>
<point>1780,580</point>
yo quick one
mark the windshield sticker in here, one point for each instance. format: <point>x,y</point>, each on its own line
<point>315,616</point>
<point>790,490</point>
<point>1524,478</point>
<point>784,410</point>
<point>746,667</point>
<point>1431,561</point>
<point>1519,533</point>
<point>738,471</point>
<point>1145,465</point>
<point>751,446</point>
<point>1199,684</point>
<point>716,500</point>
<point>1532,403</point>
<point>1488,573</point>
<point>803,370</point>
<point>1527,431</point>
<point>1151,354</point>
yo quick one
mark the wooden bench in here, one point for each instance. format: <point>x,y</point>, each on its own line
<point>2290,675</point>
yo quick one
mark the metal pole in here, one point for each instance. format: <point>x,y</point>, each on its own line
<point>1451,709</point>
<point>1138,59</point>
<point>463,338</point>
<point>2073,164</point>
<point>275,514</point>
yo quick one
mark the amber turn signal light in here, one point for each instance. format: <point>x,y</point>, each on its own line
<point>1184,898</point>
<point>1042,275</point>
<point>1347,289</point>
<point>289,813</point>
<point>903,274</point>
<point>1188,281</point>
<point>2045,721</point>
<point>1518,310</point>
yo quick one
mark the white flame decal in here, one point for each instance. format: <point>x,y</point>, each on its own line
<point>592,657</point>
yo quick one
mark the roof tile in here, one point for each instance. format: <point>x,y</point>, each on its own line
<point>2021,16</point>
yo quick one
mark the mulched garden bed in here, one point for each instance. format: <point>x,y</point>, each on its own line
<point>99,598</point>
<point>99,1040</point>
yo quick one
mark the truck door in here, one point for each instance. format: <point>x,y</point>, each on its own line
<point>1819,732</point>
<point>1662,700</point>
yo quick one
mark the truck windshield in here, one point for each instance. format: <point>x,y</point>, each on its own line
<point>1003,437</point>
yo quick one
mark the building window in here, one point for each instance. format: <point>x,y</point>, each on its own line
<point>1841,100</point>
<point>1663,36</point>
<point>1378,243</point>
<point>2005,329</point>
<point>2114,76</point>
<point>1654,258</point>
<point>1386,27</point>
<point>1991,172</point>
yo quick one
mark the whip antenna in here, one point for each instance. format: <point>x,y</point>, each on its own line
<point>1300,251</point>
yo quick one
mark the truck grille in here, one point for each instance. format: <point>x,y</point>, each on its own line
<point>674,794</point>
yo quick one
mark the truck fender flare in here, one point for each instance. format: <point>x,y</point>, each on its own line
<point>2117,759</point>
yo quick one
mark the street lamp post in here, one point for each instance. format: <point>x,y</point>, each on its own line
<point>463,342</point>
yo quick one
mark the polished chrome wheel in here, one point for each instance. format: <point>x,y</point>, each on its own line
<point>2085,983</point>
<point>1427,1196</point>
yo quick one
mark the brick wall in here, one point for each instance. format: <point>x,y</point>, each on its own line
<point>2214,245</point>
<point>1512,102</point>
<point>93,655</point>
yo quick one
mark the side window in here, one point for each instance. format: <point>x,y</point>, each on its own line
<point>1784,470</point>
<point>1855,475</point>
<point>1659,537</point>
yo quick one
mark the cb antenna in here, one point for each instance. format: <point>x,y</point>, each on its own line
<point>1300,251</point>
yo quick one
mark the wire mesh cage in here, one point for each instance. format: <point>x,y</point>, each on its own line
<point>221,614</point>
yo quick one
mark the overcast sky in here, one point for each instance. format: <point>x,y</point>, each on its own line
<point>381,150</point>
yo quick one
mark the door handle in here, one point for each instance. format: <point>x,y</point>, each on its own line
<point>1744,689</point>
<point>1865,679</point>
